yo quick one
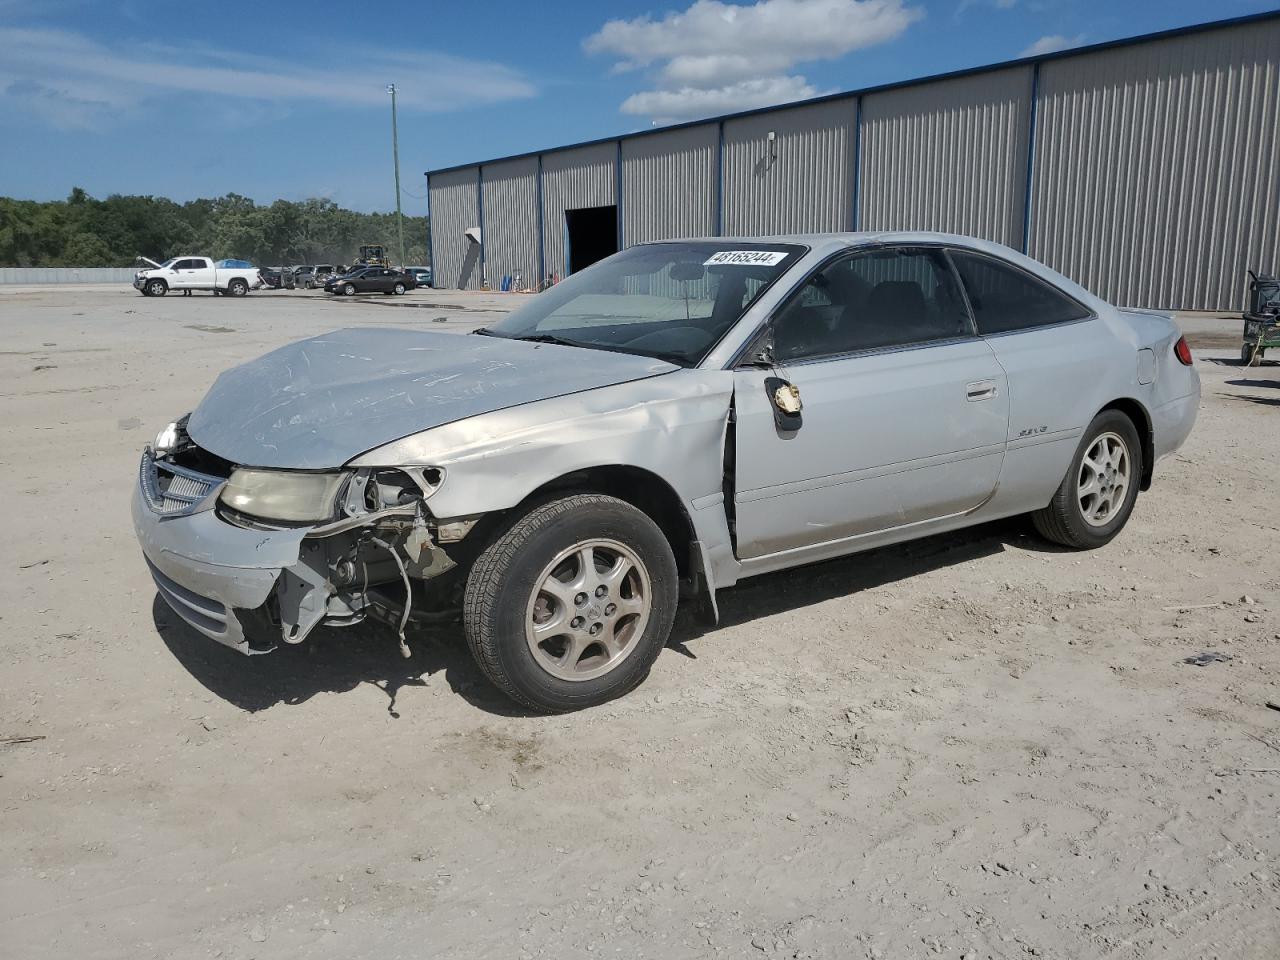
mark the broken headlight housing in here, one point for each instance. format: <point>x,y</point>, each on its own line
<point>287,496</point>
<point>171,438</point>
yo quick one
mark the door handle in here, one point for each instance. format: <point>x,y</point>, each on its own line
<point>980,390</point>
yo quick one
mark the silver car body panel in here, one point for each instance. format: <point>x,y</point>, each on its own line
<point>315,404</point>
<point>894,445</point>
<point>672,427</point>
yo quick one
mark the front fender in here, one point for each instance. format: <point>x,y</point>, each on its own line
<point>672,426</point>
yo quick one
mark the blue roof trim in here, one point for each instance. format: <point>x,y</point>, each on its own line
<point>896,85</point>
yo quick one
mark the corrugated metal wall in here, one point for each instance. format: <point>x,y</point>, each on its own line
<point>1156,177</point>
<point>511,220</point>
<point>804,183</point>
<point>453,210</point>
<point>669,185</point>
<point>581,177</point>
<point>1155,170</point>
<point>949,156</point>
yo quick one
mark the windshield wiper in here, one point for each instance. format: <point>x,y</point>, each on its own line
<point>552,338</point>
<point>485,332</point>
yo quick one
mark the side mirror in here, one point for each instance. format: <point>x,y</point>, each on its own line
<point>784,397</point>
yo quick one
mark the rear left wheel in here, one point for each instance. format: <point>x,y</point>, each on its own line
<point>237,288</point>
<point>571,606</point>
<point>1096,497</point>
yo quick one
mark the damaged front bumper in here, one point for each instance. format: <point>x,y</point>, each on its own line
<point>252,588</point>
<point>211,573</point>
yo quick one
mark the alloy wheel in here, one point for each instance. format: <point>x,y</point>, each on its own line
<point>588,610</point>
<point>1104,479</point>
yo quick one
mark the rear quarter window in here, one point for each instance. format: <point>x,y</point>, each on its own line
<point>1004,298</point>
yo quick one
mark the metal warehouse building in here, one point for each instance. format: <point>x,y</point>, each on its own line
<point>1146,169</point>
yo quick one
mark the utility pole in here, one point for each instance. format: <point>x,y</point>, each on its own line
<point>395,153</point>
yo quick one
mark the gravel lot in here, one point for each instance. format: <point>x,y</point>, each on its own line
<point>973,745</point>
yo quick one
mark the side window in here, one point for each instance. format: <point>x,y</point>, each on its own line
<point>884,298</point>
<point>185,265</point>
<point>1005,298</point>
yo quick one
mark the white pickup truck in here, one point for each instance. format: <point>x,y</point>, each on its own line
<point>235,278</point>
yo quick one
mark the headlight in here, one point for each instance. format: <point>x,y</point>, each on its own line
<point>283,494</point>
<point>170,438</point>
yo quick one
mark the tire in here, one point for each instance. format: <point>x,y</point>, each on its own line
<point>507,603</point>
<point>156,288</point>
<point>349,289</point>
<point>237,288</point>
<point>398,290</point>
<point>1085,520</point>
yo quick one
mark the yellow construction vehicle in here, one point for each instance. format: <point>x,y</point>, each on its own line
<point>373,255</point>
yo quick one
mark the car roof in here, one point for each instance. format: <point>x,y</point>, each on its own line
<point>825,244</point>
<point>855,239</point>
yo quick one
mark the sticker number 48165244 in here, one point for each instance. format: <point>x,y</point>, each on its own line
<point>745,258</point>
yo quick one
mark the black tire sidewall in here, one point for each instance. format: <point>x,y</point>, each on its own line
<point>1109,421</point>
<point>158,288</point>
<point>238,288</point>
<point>599,518</point>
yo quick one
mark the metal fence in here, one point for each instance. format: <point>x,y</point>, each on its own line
<point>40,275</point>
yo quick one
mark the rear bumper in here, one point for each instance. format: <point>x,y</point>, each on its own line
<point>1172,422</point>
<point>208,571</point>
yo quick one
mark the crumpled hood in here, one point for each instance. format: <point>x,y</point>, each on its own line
<point>319,403</point>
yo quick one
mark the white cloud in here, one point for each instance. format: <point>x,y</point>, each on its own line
<point>718,57</point>
<point>1052,43</point>
<point>998,4</point>
<point>667,106</point>
<point>73,80</point>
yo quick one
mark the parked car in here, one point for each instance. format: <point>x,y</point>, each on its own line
<point>370,280</point>
<point>310,276</point>
<point>665,423</point>
<point>232,277</point>
<point>421,275</point>
<point>278,278</point>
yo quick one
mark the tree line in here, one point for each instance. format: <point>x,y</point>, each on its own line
<point>82,231</point>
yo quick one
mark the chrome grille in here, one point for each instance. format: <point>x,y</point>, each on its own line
<point>171,490</point>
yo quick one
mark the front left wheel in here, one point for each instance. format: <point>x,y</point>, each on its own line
<point>570,606</point>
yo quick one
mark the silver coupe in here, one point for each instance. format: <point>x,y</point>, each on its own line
<point>664,424</point>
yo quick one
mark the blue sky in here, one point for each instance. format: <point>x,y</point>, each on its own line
<point>287,99</point>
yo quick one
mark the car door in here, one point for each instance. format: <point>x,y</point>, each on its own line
<point>203,274</point>
<point>904,411</point>
<point>182,274</point>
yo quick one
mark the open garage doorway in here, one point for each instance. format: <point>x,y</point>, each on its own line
<point>590,234</point>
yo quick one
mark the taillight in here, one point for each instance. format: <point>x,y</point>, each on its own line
<point>1182,352</point>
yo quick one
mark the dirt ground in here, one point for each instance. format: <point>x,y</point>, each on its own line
<point>974,745</point>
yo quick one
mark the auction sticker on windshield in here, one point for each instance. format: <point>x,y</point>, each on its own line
<point>746,258</point>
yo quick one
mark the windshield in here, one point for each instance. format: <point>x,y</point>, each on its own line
<point>672,301</point>
<point>170,262</point>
